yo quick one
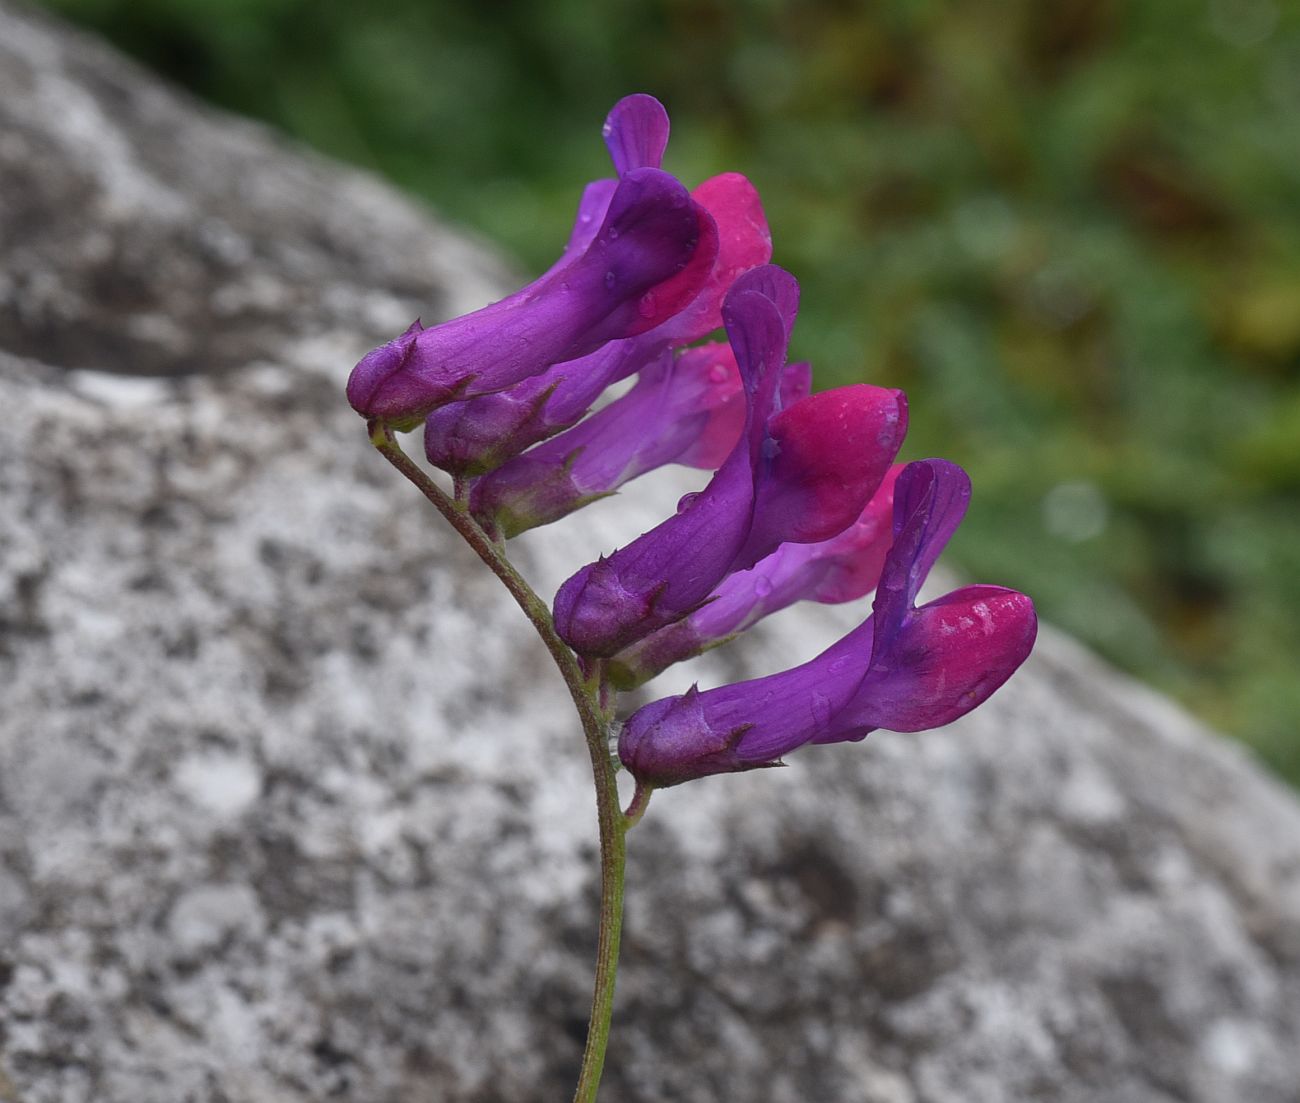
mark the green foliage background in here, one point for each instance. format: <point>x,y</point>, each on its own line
<point>1071,230</point>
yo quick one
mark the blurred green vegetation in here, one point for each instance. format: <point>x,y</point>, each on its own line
<point>1070,230</point>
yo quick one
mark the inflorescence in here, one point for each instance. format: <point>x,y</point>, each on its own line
<point>805,502</point>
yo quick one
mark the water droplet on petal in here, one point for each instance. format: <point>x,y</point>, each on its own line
<point>762,586</point>
<point>718,373</point>
<point>610,280</point>
<point>613,233</point>
<point>686,501</point>
<point>648,304</point>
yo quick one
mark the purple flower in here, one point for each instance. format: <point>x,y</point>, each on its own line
<point>803,474</point>
<point>840,569</point>
<point>904,669</point>
<point>475,435</point>
<point>652,252</point>
<point>688,410</point>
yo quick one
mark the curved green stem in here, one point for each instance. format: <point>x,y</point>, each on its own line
<point>613,859</point>
<point>590,696</point>
<point>458,516</point>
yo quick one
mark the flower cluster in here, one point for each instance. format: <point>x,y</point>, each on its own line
<point>805,501</point>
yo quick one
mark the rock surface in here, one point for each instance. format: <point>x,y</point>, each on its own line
<point>291,805</point>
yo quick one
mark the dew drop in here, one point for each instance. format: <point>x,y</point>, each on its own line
<point>613,233</point>
<point>610,280</point>
<point>718,373</point>
<point>686,501</point>
<point>762,586</point>
<point>648,304</point>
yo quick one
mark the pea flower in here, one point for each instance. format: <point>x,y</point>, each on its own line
<point>687,410</point>
<point>639,253</point>
<point>475,435</point>
<point>681,409</point>
<point>801,474</point>
<point>843,568</point>
<point>904,669</point>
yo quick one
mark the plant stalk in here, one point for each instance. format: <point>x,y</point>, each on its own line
<point>590,696</point>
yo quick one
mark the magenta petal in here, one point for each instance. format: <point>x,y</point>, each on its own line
<point>825,457</point>
<point>714,366</point>
<point>852,561</point>
<point>636,133</point>
<point>726,410</point>
<point>947,658</point>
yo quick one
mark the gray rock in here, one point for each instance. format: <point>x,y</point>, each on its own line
<point>291,804</point>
